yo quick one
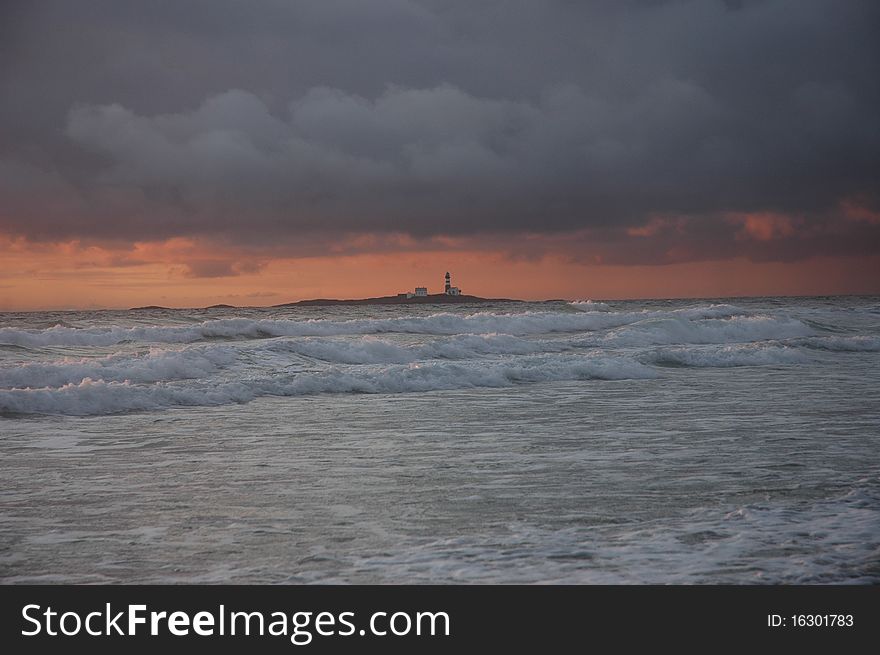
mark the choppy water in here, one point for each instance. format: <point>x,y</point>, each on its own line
<point>639,441</point>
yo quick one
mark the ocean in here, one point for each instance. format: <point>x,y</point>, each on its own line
<point>662,441</point>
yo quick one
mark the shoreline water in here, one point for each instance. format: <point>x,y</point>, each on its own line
<point>620,441</point>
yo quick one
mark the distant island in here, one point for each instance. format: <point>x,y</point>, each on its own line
<point>434,298</point>
<point>419,296</point>
<point>400,299</point>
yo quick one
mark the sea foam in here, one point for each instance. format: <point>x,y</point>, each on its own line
<point>235,360</point>
<point>444,323</point>
<point>153,366</point>
<point>90,397</point>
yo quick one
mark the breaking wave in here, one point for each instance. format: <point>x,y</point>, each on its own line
<point>95,370</point>
<point>520,324</point>
<point>725,356</point>
<point>859,343</point>
<point>371,350</point>
<point>669,330</point>
<point>154,366</point>
<point>91,397</point>
<point>590,306</point>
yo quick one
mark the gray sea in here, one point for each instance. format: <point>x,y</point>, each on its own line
<point>679,441</point>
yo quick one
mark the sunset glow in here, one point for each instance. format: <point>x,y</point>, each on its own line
<point>632,156</point>
<point>184,273</point>
<point>435,293</point>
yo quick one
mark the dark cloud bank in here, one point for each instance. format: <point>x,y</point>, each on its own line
<point>648,127</point>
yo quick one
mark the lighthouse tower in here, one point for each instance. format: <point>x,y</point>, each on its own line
<point>451,290</point>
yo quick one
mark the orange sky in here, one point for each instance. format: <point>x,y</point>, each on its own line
<point>69,276</point>
<point>291,150</point>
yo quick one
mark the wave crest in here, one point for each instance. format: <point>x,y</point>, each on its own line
<point>90,397</point>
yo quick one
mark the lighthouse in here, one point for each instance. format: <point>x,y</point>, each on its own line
<point>449,289</point>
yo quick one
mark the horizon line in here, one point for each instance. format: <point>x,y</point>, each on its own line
<point>512,300</point>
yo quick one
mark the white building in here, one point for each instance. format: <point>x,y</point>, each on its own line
<point>422,292</point>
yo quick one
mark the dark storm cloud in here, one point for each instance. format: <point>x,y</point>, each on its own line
<point>266,122</point>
